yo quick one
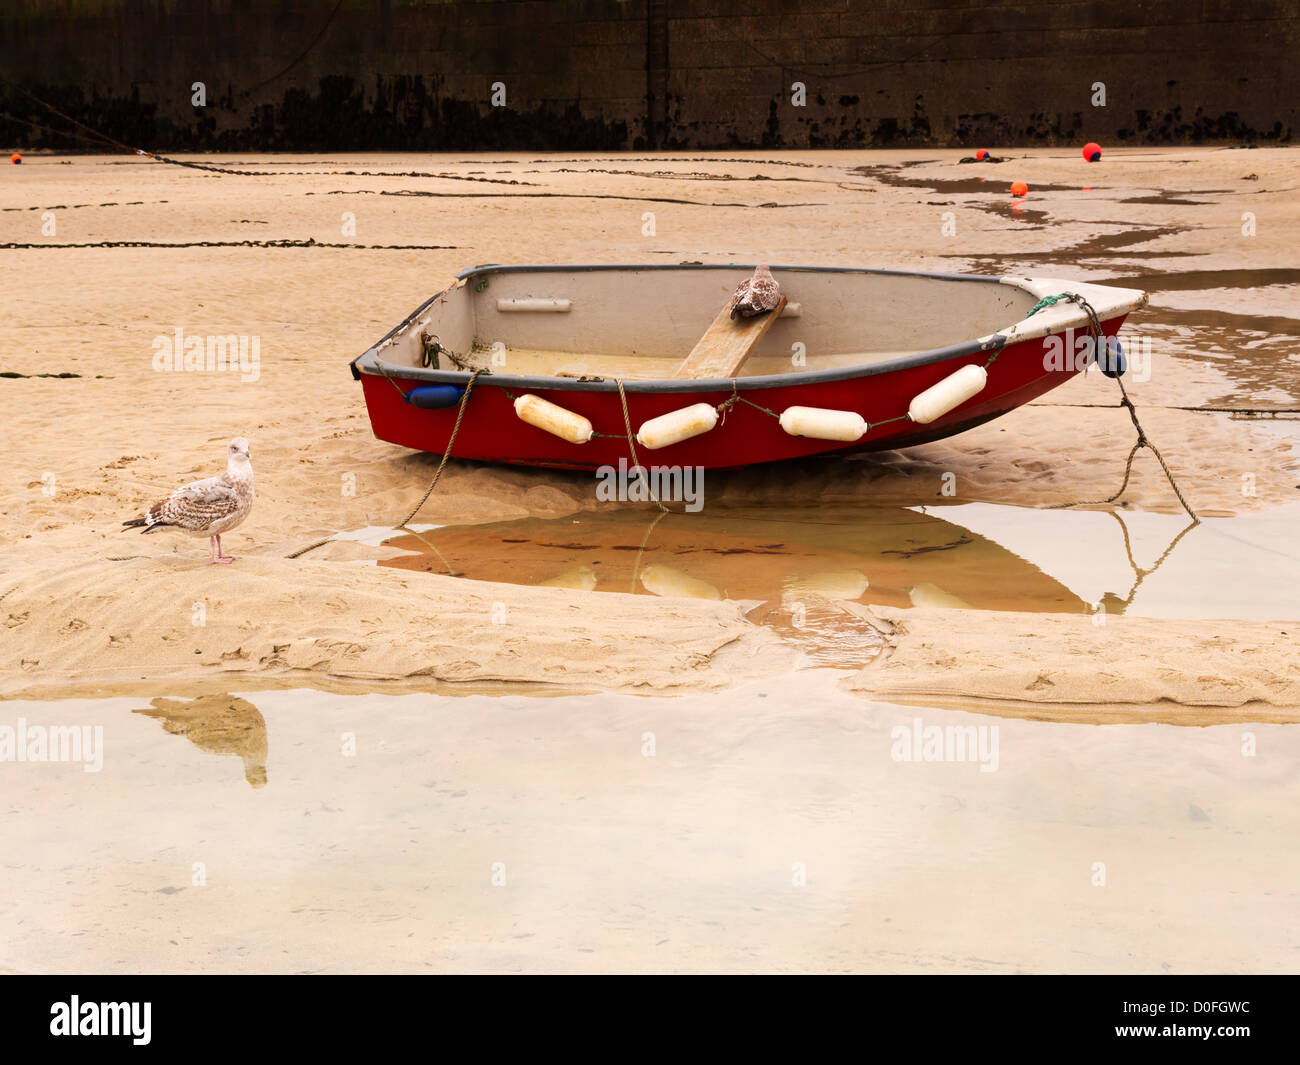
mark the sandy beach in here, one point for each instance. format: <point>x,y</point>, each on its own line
<point>90,450</point>
<point>1199,626</point>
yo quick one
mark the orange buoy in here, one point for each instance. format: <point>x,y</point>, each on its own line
<point>982,154</point>
<point>15,158</point>
<point>1019,188</point>
<point>1092,151</point>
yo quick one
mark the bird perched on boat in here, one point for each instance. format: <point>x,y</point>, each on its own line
<point>209,507</point>
<point>756,295</point>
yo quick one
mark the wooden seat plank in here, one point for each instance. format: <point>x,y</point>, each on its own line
<point>723,349</point>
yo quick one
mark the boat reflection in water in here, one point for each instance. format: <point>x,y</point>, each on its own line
<point>798,572</point>
<point>894,556</point>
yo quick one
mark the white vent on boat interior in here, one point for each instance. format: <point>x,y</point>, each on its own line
<point>535,306</point>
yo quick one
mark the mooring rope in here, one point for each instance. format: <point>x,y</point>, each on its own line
<point>437,474</point>
<point>640,551</point>
<point>1098,342</point>
<point>1142,441</point>
<point>631,445</point>
<point>1140,573</point>
<point>451,442</point>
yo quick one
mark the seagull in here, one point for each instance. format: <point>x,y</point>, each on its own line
<point>209,507</point>
<point>756,295</point>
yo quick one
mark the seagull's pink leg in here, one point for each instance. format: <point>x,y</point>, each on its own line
<point>212,544</point>
<point>221,556</point>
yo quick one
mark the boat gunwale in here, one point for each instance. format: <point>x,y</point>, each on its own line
<point>1066,316</point>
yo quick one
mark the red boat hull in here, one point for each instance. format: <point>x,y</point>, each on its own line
<point>490,431</point>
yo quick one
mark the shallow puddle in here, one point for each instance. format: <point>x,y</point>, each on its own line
<point>782,826</point>
<point>787,565</point>
<point>1202,280</point>
<point>992,182</point>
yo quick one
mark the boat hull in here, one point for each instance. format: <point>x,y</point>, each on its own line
<point>490,431</point>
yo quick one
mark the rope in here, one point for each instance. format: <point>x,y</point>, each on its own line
<point>1128,469</point>
<point>1050,301</point>
<point>1144,442</point>
<point>1098,339</point>
<point>310,547</point>
<point>735,398</point>
<point>451,570</point>
<point>725,406</point>
<point>631,444</point>
<point>451,442</point>
<point>640,551</point>
<point>383,369</point>
<point>1139,573</point>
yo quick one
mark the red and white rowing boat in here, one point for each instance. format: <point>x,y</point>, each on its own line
<point>565,363</point>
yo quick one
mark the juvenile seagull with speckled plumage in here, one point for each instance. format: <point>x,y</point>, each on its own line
<point>756,295</point>
<point>209,507</point>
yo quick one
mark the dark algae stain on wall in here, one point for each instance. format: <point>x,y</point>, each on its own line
<point>587,74</point>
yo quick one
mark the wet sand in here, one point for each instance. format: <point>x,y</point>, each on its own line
<point>991,610</point>
<point>1220,336</point>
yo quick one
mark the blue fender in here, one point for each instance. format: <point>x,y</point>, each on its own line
<point>434,397</point>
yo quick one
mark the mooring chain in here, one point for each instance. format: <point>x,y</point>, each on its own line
<point>310,242</point>
<point>325,173</point>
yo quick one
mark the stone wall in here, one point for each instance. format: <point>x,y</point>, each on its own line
<point>310,75</point>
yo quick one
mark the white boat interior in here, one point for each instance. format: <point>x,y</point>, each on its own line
<point>638,323</point>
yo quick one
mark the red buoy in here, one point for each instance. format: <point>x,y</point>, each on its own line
<point>1092,151</point>
<point>15,158</point>
<point>982,154</point>
<point>1019,188</point>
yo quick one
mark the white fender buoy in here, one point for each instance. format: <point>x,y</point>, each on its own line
<point>582,579</point>
<point>952,391</point>
<point>555,420</point>
<point>928,594</point>
<point>676,426</point>
<point>832,584</point>
<point>666,581</point>
<point>822,424</point>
